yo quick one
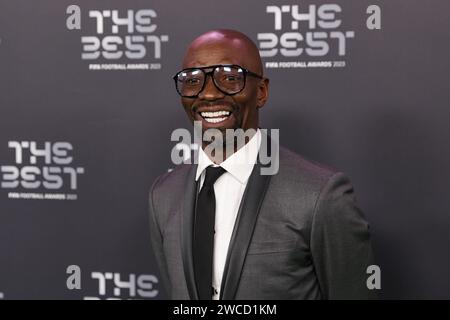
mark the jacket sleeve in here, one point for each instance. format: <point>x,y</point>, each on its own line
<point>340,242</point>
<point>157,241</point>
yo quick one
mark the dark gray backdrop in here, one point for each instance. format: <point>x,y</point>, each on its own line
<point>383,119</point>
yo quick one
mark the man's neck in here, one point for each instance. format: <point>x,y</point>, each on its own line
<point>219,154</point>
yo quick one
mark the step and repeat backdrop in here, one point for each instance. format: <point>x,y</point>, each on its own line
<point>88,105</point>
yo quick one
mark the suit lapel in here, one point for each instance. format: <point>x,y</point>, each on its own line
<point>187,224</point>
<point>242,233</point>
<point>243,229</point>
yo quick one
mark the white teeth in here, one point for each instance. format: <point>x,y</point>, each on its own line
<point>215,117</point>
<point>215,120</point>
<point>215,114</point>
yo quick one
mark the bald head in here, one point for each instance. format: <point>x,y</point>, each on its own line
<point>223,46</point>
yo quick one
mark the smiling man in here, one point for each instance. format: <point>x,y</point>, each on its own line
<point>237,59</point>
<point>220,88</point>
<point>222,230</point>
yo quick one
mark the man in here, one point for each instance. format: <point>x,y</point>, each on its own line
<point>222,230</point>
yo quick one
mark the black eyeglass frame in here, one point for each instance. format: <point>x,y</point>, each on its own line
<point>211,73</point>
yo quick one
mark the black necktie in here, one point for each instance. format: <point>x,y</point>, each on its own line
<point>204,233</point>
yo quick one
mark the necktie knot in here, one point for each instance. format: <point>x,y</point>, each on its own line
<point>211,175</point>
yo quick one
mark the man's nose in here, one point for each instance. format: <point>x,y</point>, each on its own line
<point>210,91</point>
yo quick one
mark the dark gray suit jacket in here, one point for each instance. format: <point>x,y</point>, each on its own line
<point>298,235</point>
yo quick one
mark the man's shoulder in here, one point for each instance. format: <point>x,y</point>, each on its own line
<point>172,180</point>
<point>299,165</point>
<point>297,172</point>
<point>168,189</point>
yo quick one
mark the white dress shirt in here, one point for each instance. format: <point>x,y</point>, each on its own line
<point>228,188</point>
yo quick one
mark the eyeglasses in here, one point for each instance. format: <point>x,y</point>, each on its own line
<point>229,79</point>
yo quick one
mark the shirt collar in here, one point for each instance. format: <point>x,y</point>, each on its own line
<point>239,164</point>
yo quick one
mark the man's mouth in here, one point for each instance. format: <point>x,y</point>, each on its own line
<point>215,116</point>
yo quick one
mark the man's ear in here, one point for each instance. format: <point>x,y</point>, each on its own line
<point>263,92</point>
